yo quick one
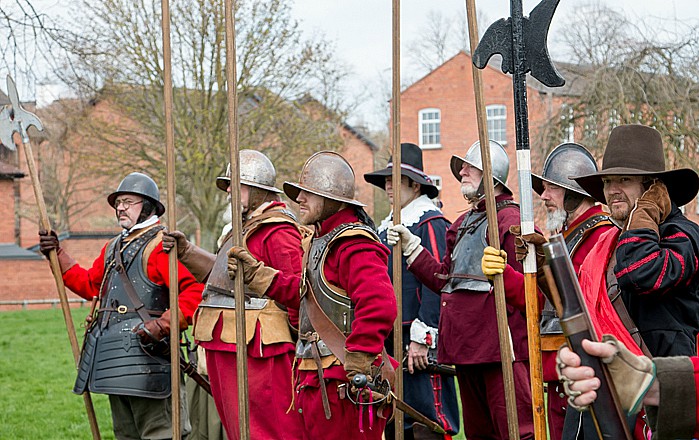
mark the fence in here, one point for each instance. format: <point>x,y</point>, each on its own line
<point>25,303</point>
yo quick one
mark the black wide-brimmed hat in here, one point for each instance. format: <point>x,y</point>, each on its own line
<point>410,166</point>
<point>637,150</point>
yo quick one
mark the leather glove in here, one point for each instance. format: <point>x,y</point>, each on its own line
<point>157,329</point>
<point>409,243</point>
<point>493,261</point>
<point>651,209</point>
<point>169,240</point>
<point>48,241</point>
<point>357,362</point>
<point>632,376</point>
<point>256,275</point>
<point>522,244</point>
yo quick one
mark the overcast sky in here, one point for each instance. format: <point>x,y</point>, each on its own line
<point>361,33</point>
<point>361,30</point>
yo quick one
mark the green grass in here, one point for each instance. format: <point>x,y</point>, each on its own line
<point>37,373</point>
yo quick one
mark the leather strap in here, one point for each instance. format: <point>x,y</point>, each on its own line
<point>138,305</point>
<point>615,297</point>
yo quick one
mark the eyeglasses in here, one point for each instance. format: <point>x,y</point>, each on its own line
<point>125,203</point>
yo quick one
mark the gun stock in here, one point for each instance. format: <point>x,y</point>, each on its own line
<point>607,413</point>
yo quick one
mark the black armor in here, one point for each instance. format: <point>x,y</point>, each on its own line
<point>113,361</point>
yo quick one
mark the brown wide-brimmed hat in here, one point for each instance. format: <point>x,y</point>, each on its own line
<point>637,150</point>
<point>410,166</point>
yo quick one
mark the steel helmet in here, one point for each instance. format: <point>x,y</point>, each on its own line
<point>142,185</point>
<point>328,175</point>
<point>255,170</point>
<point>499,160</point>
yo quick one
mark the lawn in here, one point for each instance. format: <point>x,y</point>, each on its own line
<point>36,378</point>
<point>37,372</point>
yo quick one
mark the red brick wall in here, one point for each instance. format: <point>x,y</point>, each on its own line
<point>32,279</point>
<point>7,211</point>
<point>450,89</point>
<point>361,157</point>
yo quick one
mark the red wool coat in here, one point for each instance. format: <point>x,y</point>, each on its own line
<point>86,282</point>
<point>468,332</point>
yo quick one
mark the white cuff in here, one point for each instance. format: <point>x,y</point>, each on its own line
<point>419,331</point>
<point>413,255</point>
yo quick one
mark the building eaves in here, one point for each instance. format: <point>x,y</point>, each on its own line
<point>8,171</point>
<point>10,251</point>
<point>361,136</point>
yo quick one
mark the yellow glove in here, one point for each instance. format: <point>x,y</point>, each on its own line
<point>493,261</point>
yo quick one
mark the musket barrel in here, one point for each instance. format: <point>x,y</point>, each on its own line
<point>575,321</point>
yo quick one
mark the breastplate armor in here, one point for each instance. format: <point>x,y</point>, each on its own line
<point>220,289</point>
<point>112,361</point>
<point>336,305</point>
<point>466,272</point>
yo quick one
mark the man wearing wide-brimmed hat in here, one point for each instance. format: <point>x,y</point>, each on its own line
<point>640,280</point>
<point>430,393</point>
<point>346,304</point>
<point>468,324</point>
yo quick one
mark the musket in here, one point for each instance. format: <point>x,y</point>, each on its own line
<point>504,336</point>
<point>567,297</point>
<point>171,215</point>
<point>15,120</point>
<point>236,212</point>
<point>399,421</point>
<point>522,43</point>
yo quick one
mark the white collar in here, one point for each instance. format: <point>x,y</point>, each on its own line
<point>412,213</point>
<point>144,224</point>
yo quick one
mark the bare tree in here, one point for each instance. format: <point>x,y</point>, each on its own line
<point>118,59</point>
<point>631,73</point>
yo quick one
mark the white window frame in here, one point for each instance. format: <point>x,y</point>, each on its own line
<point>569,130</point>
<point>437,181</point>
<point>421,125</point>
<point>497,123</point>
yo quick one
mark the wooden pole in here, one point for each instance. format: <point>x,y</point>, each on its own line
<point>58,276</point>
<point>172,223</point>
<point>504,335</point>
<point>399,420</point>
<point>236,219</point>
<point>526,213</point>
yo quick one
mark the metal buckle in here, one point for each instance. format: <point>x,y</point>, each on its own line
<point>122,309</point>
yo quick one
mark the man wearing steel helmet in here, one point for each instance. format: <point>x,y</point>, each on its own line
<point>468,325</point>
<point>345,287</point>
<point>272,235</point>
<point>570,210</point>
<point>131,272</point>
<point>640,280</point>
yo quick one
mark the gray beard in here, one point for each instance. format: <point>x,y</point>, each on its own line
<point>469,192</point>
<point>227,216</point>
<point>556,220</point>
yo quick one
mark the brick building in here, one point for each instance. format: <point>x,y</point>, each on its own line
<point>25,274</point>
<point>438,114</point>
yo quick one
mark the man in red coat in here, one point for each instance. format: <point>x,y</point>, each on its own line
<point>271,235</point>
<point>574,213</point>
<point>468,325</point>
<point>113,360</point>
<point>345,282</point>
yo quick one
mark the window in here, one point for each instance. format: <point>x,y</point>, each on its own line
<point>567,123</point>
<point>497,123</point>
<point>430,120</point>
<point>437,181</point>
